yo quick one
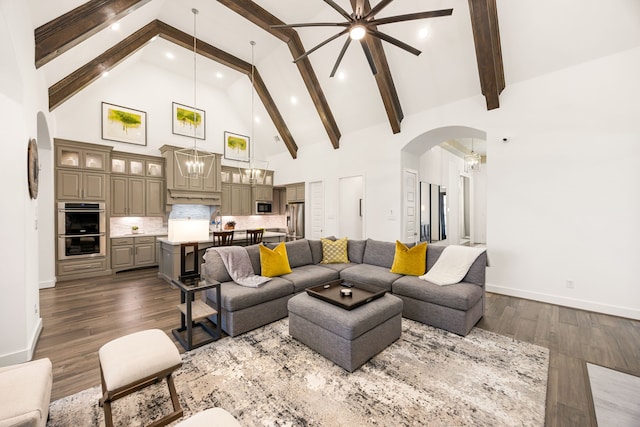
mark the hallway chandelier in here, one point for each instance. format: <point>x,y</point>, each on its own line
<point>472,160</point>
<point>256,171</point>
<point>193,163</point>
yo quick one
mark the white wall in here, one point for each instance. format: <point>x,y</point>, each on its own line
<point>22,96</point>
<point>569,168</point>
<point>150,89</point>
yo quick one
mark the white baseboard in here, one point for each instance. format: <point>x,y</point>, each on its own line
<point>26,354</point>
<point>48,283</point>
<point>567,302</point>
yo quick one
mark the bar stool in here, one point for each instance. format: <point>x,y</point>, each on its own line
<point>135,361</point>
<point>254,236</point>
<point>222,238</point>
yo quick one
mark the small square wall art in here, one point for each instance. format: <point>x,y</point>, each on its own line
<point>236,147</point>
<point>188,121</point>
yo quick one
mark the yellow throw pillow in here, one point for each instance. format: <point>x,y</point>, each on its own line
<point>334,251</point>
<point>274,262</point>
<point>410,261</point>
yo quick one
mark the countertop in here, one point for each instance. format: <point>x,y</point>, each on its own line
<point>238,234</point>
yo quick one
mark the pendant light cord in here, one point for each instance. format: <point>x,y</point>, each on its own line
<point>195,103</point>
<point>253,119</point>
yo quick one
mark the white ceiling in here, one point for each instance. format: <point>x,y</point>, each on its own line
<point>537,36</point>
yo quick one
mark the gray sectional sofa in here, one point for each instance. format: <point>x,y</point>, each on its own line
<point>456,308</point>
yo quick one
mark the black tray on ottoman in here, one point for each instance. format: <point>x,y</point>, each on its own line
<point>360,293</point>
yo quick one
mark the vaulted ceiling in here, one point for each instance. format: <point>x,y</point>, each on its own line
<point>462,55</point>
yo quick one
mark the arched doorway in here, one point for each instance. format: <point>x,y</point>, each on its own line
<point>46,203</point>
<point>439,156</point>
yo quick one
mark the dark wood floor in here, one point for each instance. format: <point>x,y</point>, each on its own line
<point>80,316</point>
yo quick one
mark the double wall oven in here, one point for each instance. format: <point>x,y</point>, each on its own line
<point>81,230</point>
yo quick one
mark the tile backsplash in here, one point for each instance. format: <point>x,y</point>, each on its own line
<point>122,225</point>
<point>147,224</point>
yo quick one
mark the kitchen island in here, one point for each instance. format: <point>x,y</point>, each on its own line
<point>169,262</point>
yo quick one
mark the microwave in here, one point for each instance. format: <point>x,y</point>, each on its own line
<point>263,207</point>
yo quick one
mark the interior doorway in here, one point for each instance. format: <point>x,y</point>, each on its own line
<point>316,209</point>
<point>351,207</point>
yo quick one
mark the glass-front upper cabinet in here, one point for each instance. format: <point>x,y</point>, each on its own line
<point>154,169</point>
<point>137,165</point>
<point>78,158</point>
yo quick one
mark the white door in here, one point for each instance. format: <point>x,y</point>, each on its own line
<point>351,207</point>
<point>410,206</point>
<point>316,209</point>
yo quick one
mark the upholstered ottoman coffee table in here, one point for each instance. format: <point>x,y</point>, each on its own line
<point>348,338</point>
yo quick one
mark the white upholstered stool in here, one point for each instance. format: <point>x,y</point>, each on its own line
<point>135,361</point>
<point>25,390</point>
<point>213,417</point>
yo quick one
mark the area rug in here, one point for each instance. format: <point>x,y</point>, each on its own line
<point>267,378</point>
<point>615,397</point>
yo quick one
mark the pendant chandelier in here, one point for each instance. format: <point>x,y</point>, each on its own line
<point>256,171</point>
<point>472,160</point>
<point>194,163</point>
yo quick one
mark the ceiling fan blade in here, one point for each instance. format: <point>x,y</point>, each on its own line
<point>411,16</point>
<point>342,52</point>
<point>358,9</point>
<point>367,53</point>
<point>377,8</point>
<point>304,55</point>
<point>394,41</point>
<point>340,10</point>
<point>312,24</point>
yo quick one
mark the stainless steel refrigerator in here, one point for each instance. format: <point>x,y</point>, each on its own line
<point>295,221</point>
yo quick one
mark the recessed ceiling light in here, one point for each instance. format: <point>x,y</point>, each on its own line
<point>294,100</point>
<point>257,119</point>
<point>105,73</point>
<point>342,75</point>
<point>219,75</point>
<point>116,26</point>
<point>169,55</point>
<point>423,33</point>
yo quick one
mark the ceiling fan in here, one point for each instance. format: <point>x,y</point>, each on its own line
<point>361,23</point>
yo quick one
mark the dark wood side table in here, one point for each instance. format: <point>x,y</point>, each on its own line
<point>194,314</point>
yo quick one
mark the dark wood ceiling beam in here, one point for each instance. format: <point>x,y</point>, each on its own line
<point>383,77</point>
<point>263,19</point>
<point>208,51</point>
<point>68,30</point>
<point>93,70</point>
<point>88,73</point>
<point>486,36</point>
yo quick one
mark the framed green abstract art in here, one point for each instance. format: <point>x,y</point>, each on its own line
<point>236,147</point>
<point>188,121</point>
<point>124,124</point>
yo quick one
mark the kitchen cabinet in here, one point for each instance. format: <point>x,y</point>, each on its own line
<point>80,155</point>
<point>80,185</point>
<point>241,200</point>
<point>81,170</point>
<point>135,187</point>
<point>236,200</point>
<point>295,192</point>
<point>154,197</point>
<point>127,196</point>
<point>81,269</point>
<point>81,175</point>
<point>180,189</point>
<point>279,203</point>
<point>133,252</point>
<point>263,193</point>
